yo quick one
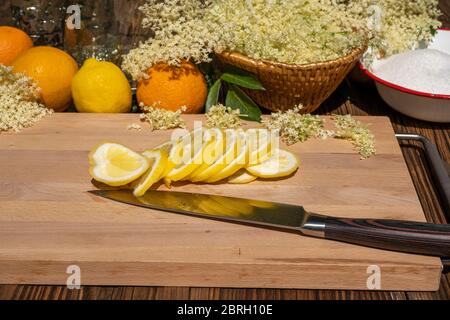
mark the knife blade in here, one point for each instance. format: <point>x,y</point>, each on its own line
<point>404,236</point>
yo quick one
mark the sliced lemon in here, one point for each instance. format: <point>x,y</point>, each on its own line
<point>239,161</point>
<point>158,160</point>
<point>211,152</point>
<point>226,156</point>
<point>261,144</point>
<point>116,165</point>
<point>241,177</point>
<point>172,149</point>
<point>281,164</point>
<point>187,155</point>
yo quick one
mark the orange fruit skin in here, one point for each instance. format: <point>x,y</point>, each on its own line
<point>53,71</point>
<point>172,87</point>
<point>13,42</point>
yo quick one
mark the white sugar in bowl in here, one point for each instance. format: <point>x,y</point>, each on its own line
<point>417,83</point>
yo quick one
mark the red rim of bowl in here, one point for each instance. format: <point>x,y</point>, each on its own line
<point>403,89</point>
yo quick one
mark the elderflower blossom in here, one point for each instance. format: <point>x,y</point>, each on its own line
<point>19,106</point>
<point>287,31</point>
<point>161,119</point>
<point>222,117</point>
<point>353,130</point>
<point>134,126</point>
<point>180,33</point>
<point>294,127</point>
<point>395,26</point>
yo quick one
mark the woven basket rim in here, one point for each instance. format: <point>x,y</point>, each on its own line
<point>355,52</point>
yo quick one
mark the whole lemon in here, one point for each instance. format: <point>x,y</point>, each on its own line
<point>53,71</point>
<point>101,87</point>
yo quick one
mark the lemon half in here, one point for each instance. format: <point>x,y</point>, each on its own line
<point>116,165</point>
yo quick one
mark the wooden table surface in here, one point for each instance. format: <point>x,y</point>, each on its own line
<point>364,100</point>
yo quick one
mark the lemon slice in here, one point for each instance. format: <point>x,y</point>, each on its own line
<point>116,165</point>
<point>260,144</point>
<point>158,160</point>
<point>226,156</point>
<point>241,177</point>
<point>211,152</point>
<point>281,164</point>
<point>187,155</point>
<point>172,149</point>
<point>239,161</point>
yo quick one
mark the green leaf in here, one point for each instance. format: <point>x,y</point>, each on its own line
<point>245,80</point>
<point>238,99</point>
<point>213,95</point>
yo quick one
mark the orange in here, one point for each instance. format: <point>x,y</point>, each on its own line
<point>53,70</point>
<point>171,87</point>
<point>13,42</point>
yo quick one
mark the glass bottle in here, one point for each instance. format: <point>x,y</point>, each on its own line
<point>95,37</point>
<point>43,20</point>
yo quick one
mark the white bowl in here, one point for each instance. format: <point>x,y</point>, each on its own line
<point>419,105</point>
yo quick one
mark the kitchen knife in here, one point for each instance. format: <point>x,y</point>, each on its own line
<point>404,236</point>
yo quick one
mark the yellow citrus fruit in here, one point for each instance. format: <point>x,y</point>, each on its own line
<point>116,165</point>
<point>53,71</point>
<point>211,152</point>
<point>238,161</point>
<point>13,42</point>
<point>158,161</point>
<point>190,155</point>
<point>260,142</point>
<point>281,164</point>
<point>241,177</point>
<point>101,87</point>
<point>225,157</point>
<point>171,87</point>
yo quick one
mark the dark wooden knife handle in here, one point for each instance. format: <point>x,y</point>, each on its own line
<point>405,236</point>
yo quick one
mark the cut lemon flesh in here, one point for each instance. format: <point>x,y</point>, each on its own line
<point>260,144</point>
<point>211,152</point>
<point>171,149</point>
<point>116,165</point>
<point>242,177</point>
<point>188,155</point>
<point>225,157</point>
<point>281,164</point>
<point>238,162</point>
<point>158,160</point>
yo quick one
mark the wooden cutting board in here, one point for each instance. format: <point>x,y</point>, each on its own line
<point>49,222</point>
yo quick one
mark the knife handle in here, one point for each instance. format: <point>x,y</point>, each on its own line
<point>405,236</point>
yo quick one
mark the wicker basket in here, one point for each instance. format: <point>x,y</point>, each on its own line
<point>288,85</point>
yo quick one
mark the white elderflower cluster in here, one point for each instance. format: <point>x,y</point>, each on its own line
<point>161,119</point>
<point>19,106</point>
<point>294,32</point>
<point>353,130</point>
<point>180,33</point>
<point>223,117</point>
<point>295,127</point>
<point>287,31</point>
<point>395,26</point>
